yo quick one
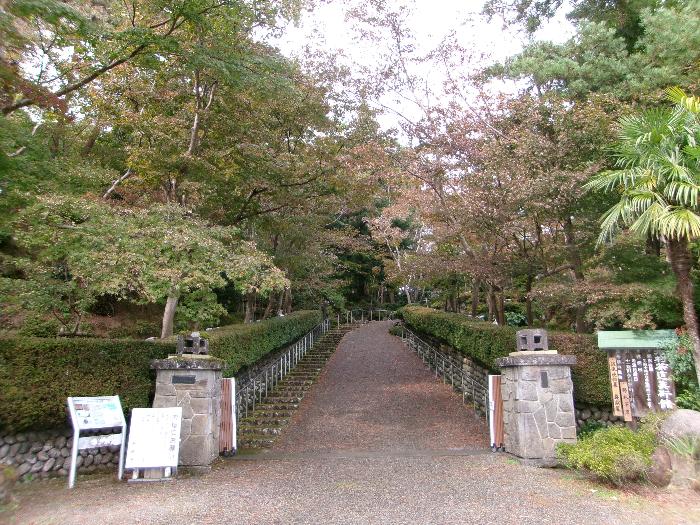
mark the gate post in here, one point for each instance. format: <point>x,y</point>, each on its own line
<point>193,383</point>
<point>538,406</point>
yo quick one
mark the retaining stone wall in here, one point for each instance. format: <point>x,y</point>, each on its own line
<point>592,414</point>
<point>48,454</point>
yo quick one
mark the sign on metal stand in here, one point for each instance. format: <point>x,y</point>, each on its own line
<point>96,414</point>
<point>154,443</point>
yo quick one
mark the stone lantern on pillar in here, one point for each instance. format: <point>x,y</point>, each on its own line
<point>538,404</point>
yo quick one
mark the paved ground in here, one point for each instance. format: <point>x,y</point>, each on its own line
<point>377,441</point>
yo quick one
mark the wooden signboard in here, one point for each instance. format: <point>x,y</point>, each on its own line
<point>154,442</point>
<point>640,377</point>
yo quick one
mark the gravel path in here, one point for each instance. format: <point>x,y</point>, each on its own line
<point>376,395</point>
<point>378,440</point>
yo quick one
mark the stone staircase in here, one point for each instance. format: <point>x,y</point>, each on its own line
<point>266,422</point>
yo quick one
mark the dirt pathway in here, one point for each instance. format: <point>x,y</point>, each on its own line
<point>378,440</point>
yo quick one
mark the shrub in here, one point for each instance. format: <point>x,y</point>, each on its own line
<point>485,342</point>
<point>615,454</point>
<point>680,358</point>
<point>244,344</point>
<point>37,375</point>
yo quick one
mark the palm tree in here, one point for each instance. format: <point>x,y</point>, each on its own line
<point>658,180</point>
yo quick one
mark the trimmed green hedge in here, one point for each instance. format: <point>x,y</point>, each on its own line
<point>242,345</point>
<point>37,375</point>
<point>485,342</point>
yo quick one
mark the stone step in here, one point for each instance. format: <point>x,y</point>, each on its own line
<point>277,398</point>
<point>256,441</point>
<point>268,415</point>
<point>258,419</point>
<point>268,405</point>
<point>258,430</point>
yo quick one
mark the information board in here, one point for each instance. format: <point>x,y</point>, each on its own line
<point>643,382</point>
<point>154,439</point>
<point>94,414</point>
<point>97,412</point>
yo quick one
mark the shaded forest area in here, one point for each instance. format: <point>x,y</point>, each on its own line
<point>164,167</point>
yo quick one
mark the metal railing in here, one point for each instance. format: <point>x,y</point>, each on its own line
<point>444,366</point>
<point>258,387</point>
<point>362,316</point>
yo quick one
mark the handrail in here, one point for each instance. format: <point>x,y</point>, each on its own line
<point>442,364</point>
<point>364,315</point>
<point>259,386</point>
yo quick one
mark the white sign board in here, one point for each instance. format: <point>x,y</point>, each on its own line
<point>154,439</point>
<point>96,413</point>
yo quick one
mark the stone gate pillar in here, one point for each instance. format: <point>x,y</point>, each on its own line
<point>193,383</point>
<point>538,404</point>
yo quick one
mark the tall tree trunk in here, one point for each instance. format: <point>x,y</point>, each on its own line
<point>392,299</point>
<point>249,307</point>
<point>491,301</point>
<point>272,300</point>
<point>681,262</point>
<point>577,265</point>
<point>288,301</point>
<point>528,300</point>
<point>501,309</point>
<point>476,287</point>
<point>169,315</point>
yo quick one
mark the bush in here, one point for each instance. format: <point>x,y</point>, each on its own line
<point>485,342</point>
<point>244,344</point>
<point>39,327</point>
<point>37,375</point>
<point>679,355</point>
<point>615,454</point>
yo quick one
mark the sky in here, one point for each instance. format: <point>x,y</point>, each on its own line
<point>429,21</point>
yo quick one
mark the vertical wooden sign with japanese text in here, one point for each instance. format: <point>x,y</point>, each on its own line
<point>640,382</point>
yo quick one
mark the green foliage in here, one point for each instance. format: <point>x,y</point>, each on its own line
<point>658,173</point>
<point>516,319</point>
<point>485,342</point>
<point>242,345</point>
<point>680,358</point>
<point>589,427</point>
<point>616,454</point>
<point>37,375</point>
<point>36,326</point>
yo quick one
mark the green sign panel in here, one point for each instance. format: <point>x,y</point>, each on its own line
<point>635,339</point>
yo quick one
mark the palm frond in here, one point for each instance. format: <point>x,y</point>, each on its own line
<point>687,102</point>
<point>680,223</point>
<point>611,220</point>
<point>648,221</point>
<point>683,193</point>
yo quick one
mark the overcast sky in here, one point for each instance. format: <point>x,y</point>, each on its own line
<point>430,21</point>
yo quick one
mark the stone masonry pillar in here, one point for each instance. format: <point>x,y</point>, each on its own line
<point>193,383</point>
<point>538,405</point>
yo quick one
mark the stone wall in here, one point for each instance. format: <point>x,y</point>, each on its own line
<point>48,453</point>
<point>601,415</point>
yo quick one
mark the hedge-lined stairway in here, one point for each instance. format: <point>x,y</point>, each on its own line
<point>266,422</point>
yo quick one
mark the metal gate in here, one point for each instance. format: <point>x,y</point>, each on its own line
<point>496,413</point>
